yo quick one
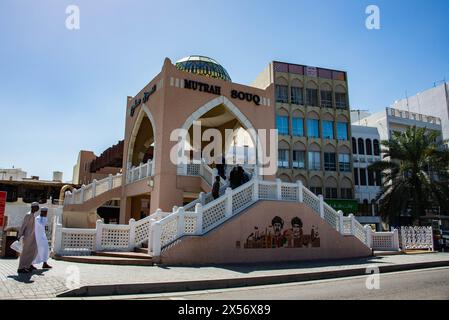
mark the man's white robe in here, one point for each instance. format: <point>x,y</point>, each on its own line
<point>41,240</point>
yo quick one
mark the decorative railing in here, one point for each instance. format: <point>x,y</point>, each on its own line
<point>413,116</point>
<point>385,240</point>
<point>90,191</point>
<point>96,188</point>
<point>110,237</point>
<point>144,170</point>
<point>204,218</point>
<point>203,170</point>
<point>164,229</point>
<point>416,238</point>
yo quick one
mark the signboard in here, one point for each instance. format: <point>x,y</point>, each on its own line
<point>204,87</point>
<point>2,207</point>
<point>311,72</point>
<point>347,206</point>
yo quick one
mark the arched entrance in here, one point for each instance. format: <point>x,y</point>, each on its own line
<point>238,136</point>
<point>142,141</point>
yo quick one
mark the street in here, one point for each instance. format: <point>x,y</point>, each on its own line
<point>430,284</point>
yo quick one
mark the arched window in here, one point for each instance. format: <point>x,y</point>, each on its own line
<point>283,154</point>
<point>281,90</point>
<point>296,93</point>
<point>282,124</point>
<point>354,146</point>
<point>376,147</point>
<point>297,124</point>
<point>369,149</point>
<point>316,185</point>
<point>361,146</point>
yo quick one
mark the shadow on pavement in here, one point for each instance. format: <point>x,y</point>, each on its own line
<point>26,277</point>
<point>248,268</point>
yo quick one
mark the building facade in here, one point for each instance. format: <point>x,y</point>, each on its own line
<point>366,151</point>
<point>90,167</point>
<point>391,120</point>
<point>12,174</point>
<point>19,187</point>
<point>284,203</point>
<point>313,121</point>
<point>433,102</point>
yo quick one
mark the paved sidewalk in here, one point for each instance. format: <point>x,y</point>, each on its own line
<point>108,279</point>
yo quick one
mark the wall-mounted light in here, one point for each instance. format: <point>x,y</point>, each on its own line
<point>150,182</point>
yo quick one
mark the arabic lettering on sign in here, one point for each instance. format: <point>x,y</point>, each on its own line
<point>144,99</point>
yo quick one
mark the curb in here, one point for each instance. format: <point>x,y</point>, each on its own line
<point>165,287</point>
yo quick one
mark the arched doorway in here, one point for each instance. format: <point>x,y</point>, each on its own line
<point>237,140</point>
<point>142,141</point>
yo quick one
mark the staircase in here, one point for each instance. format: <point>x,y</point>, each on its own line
<point>164,230</point>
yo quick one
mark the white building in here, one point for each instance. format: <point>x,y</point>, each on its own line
<point>12,174</point>
<point>434,102</point>
<point>391,120</point>
<point>366,150</point>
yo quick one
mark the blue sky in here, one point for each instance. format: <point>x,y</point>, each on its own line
<point>62,91</point>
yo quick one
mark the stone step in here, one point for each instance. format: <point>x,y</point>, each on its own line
<point>128,255</point>
<point>106,260</point>
<point>141,250</point>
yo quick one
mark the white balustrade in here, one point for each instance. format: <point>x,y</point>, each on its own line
<point>163,229</point>
<point>144,170</point>
<point>96,188</point>
<point>384,241</point>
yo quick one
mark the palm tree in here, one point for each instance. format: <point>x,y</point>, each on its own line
<point>415,172</point>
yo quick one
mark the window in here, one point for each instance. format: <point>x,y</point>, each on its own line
<point>282,125</point>
<point>326,99</point>
<point>346,193</point>
<point>362,177</point>
<point>369,149</point>
<point>313,130</point>
<point>298,127</point>
<point>331,193</point>
<point>328,129</point>
<point>342,131</point>
<point>281,93</point>
<point>297,96</point>
<point>343,162</point>
<point>312,97</point>
<point>356,176</point>
<point>378,178</point>
<point>340,100</point>
<point>376,147</point>
<point>370,177</point>
<point>283,158</point>
<point>317,190</point>
<point>361,146</point>
<point>298,159</point>
<point>314,160</point>
<point>354,146</point>
<point>330,163</point>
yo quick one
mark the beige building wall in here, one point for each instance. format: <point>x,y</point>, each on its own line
<point>171,106</point>
<point>312,178</point>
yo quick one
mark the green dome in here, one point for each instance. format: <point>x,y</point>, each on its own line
<point>203,66</point>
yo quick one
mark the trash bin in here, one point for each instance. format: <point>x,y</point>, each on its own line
<point>11,236</point>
